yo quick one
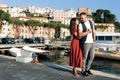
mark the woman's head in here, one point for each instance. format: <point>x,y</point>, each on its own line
<point>74,22</point>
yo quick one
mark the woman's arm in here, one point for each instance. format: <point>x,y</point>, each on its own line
<point>81,34</point>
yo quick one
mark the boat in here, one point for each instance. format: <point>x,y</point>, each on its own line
<point>107,45</point>
<point>107,55</point>
<point>15,51</point>
<point>35,50</point>
<point>27,54</point>
<point>107,37</point>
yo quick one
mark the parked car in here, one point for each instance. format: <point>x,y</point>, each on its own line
<point>39,39</point>
<point>68,38</point>
<point>14,40</point>
<point>7,41</point>
<point>47,41</point>
<point>42,40</point>
<point>29,40</point>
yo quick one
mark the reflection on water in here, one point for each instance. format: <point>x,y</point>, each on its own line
<point>108,66</point>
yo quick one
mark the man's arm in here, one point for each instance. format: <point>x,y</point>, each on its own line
<point>82,34</point>
<point>94,32</point>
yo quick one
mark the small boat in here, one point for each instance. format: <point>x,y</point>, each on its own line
<point>103,54</point>
<point>15,51</point>
<point>107,55</point>
<point>35,50</point>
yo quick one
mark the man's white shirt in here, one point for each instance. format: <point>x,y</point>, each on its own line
<point>89,38</point>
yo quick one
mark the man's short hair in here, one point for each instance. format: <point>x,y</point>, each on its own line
<point>83,13</point>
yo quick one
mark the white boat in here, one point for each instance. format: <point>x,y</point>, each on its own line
<point>35,50</point>
<point>15,51</point>
<point>107,37</point>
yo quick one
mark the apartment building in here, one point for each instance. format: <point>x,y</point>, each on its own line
<point>64,16</point>
<point>16,12</point>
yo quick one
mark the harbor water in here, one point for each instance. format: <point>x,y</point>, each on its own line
<point>104,65</point>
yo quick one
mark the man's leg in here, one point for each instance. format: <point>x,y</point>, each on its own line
<point>91,56</point>
<point>90,59</point>
<point>85,51</point>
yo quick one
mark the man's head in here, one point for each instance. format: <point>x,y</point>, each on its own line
<point>83,17</point>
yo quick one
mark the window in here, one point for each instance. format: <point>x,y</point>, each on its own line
<point>108,38</point>
<point>100,38</point>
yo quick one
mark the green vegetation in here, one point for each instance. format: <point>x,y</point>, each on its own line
<point>103,16</point>
<point>28,14</point>
<point>101,27</point>
<point>117,26</point>
<point>100,16</point>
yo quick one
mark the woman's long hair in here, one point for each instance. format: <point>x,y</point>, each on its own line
<point>72,25</point>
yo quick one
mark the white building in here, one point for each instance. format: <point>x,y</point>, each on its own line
<point>64,16</point>
<point>5,31</point>
<point>64,32</point>
<point>37,10</point>
<point>16,12</point>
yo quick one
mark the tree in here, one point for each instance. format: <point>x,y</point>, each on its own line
<point>103,16</point>
<point>16,25</point>
<point>97,16</point>
<point>28,14</point>
<point>1,12</point>
<point>32,24</point>
<point>117,26</point>
<point>5,16</point>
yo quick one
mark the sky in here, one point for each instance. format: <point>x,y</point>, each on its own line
<point>111,5</point>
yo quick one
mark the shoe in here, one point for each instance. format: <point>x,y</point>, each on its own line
<point>85,74</point>
<point>89,72</point>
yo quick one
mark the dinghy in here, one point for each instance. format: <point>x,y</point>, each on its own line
<point>15,51</point>
<point>35,50</point>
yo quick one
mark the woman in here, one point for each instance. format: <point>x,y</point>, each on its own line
<point>75,49</point>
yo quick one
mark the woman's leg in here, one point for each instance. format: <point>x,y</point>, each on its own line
<point>75,71</point>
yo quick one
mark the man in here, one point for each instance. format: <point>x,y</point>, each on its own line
<point>87,43</point>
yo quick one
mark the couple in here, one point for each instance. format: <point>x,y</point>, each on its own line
<point>82,44</point>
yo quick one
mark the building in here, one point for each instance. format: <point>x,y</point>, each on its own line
<point>3,6</point>
<point>110,27</point>
<point>16,12</point>
<point>64,16</point>
<point>86,10</point>
<point>5,31</point>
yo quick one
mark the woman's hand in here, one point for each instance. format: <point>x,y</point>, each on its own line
<point>88,31</point>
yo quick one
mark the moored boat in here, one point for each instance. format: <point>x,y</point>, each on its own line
<point>107,55</point>
<point>15,51</point>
